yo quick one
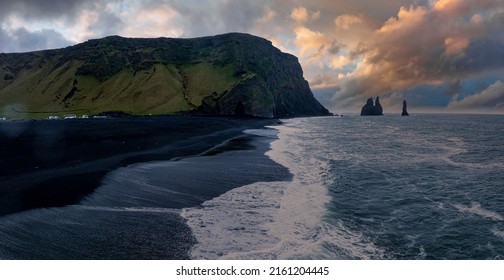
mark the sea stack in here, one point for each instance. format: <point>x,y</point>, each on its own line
<point>378,110</point>
<point>371,109</point>
<point>404,107</point>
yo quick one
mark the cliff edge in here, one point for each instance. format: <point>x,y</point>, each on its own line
<point>229,74</point>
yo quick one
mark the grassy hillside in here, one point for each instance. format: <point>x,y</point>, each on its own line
<point>159,89</point>
<point>210,75</point>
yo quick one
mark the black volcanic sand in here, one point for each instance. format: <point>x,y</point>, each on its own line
<point>131,212</point>
<point>56,163</point>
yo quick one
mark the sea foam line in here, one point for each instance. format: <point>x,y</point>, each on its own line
<point>476,209</point>
<point>127,209</point>
<point>264,220</point>
<point>276,220</point>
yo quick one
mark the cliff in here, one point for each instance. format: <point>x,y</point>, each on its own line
<point>230,74</point>
<point>370,109</point>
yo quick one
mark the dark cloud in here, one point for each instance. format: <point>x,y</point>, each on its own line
<point>107,24</point>
<point>454,88</point>
<point>5,41</point>
<point>23,40</point>
<point>324,96</point>
<point>41,9</point>
<point>198,21</point>
<point>481,55</point>
<point>239,14</point>
<point>492,98</point>
<point>217,16</point>
<point>334,48</point>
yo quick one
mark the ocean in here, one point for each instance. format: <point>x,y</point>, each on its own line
<point>391,187</point>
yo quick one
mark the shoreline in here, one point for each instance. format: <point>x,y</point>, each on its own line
<point>268,219</point>
<point>135,213</point>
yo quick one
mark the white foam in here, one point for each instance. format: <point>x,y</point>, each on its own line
<point>476,209</point>
<point>235,221</point>
<point>458,146</point>
<point>277,220</point>
<point>498,233</point>
<point>445,150</point>
<point>128,209</point>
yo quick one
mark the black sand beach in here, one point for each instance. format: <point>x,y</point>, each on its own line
<point>110,189</point>
<point>55,163</point>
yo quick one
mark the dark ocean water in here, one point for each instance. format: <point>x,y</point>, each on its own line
<point>419,187</point>
<point>424,187</point>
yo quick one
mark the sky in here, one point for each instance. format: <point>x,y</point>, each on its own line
<point>439,55</point>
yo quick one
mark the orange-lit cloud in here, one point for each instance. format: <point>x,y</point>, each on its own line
<point>456,45</point>
<point>310,43</point>
<point>424,45</point>
<point>344,22</point>
<point>459,7</point>
<point>340,61</point>
<point>156,22</point>
<point>300,15</point>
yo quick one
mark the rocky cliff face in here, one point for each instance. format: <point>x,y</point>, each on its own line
<point>371,109</point>
<point>230,74</point>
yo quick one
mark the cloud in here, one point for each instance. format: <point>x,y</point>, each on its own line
<point>344,22</point>
<point>269,16</point>
<point>426,45</point>
<point>156,21</point>
<point>310,43</point>
<point>33,25</point>
<point>44,9</point>
<point>203,18</point>
<point>21,40</point>
<point>338,62</point>
<point>107,23</point>
<point>300,15</point>
<point>456,45</point>
<point>5,42</point>
<point>44,39</point>
<point>461,7</point>
<point>454,88</point>
<point>491,99</point>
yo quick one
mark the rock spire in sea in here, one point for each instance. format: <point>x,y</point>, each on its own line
<point>404,107</point>
<point>371,109</point>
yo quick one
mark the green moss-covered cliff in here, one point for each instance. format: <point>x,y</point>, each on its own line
<point>230,74</point>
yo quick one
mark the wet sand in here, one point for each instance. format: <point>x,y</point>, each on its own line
<point>58,163</point>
